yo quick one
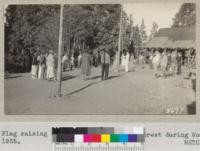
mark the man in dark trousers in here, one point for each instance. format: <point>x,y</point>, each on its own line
<point>105,62</point>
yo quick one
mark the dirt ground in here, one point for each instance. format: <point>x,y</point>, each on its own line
<point>135,92</point>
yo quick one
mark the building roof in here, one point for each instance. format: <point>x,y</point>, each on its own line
<point>177,37</point>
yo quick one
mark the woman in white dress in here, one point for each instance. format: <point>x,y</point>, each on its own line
<point>42,64</point>
<point>50,66</point>
<point>164,62</point>
<point>79,60</point>
<point>125,61</point>
<point>156,63</point>
<point>34,68</point>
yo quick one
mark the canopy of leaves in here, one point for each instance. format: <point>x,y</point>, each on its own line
<point>143,33</point>
<point>36,27</point>
<point>186,16</point>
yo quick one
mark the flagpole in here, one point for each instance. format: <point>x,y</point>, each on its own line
<point>59,69</point>
<point>119,40</point>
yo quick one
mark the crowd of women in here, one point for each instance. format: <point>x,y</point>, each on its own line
<point>167,63</point>
<point>44,65</point>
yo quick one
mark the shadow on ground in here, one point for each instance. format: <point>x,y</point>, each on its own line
<point>113,77</point>
<point>12,77</point>
<point>95,77</point>
<point>68,77</point>
<point>81,89</point>
<point>90,84</point>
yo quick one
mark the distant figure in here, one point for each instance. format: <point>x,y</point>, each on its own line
<point>34,69</point>
<point>64,62</point>
<point>72,62</point>
<point>115,63</point>
<point>86,62</point>
<point>79,60</point>
<point>142,59</point>
<point>50,66</point>
<point>179,62</point>
<point>174,62</point>
<point>163,63</point>
<point>131,61</point>
<point>45,71</point>
<point>105,62</point>
<point>151,60</point>
<point>42,65</point>
<point>122,60</point>
<point>156,63</point>
<point>169,62</point>
<point>125,61</point>
<point>55,66</point>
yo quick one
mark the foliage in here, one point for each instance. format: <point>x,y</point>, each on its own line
<point>25,25</point>
<point>131,34</point>
<point>153,30</point>
<point>143,33</point>
<point>36,27</point>
<point>186,16</point>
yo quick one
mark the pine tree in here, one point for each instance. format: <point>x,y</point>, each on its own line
<point>143,32</point>
<point>186,16</point>
<point>153,30</point>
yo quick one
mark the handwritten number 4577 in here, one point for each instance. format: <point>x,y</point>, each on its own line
<point>174,110</point>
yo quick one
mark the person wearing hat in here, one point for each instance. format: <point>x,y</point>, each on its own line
<point>50,66</point>
<point>105,62</point>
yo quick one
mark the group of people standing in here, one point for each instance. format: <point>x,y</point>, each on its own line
<point>86,64</point>
<point>44,66</point>
<point>166,63</point>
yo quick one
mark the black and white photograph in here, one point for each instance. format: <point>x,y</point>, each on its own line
<point>100,59</point>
